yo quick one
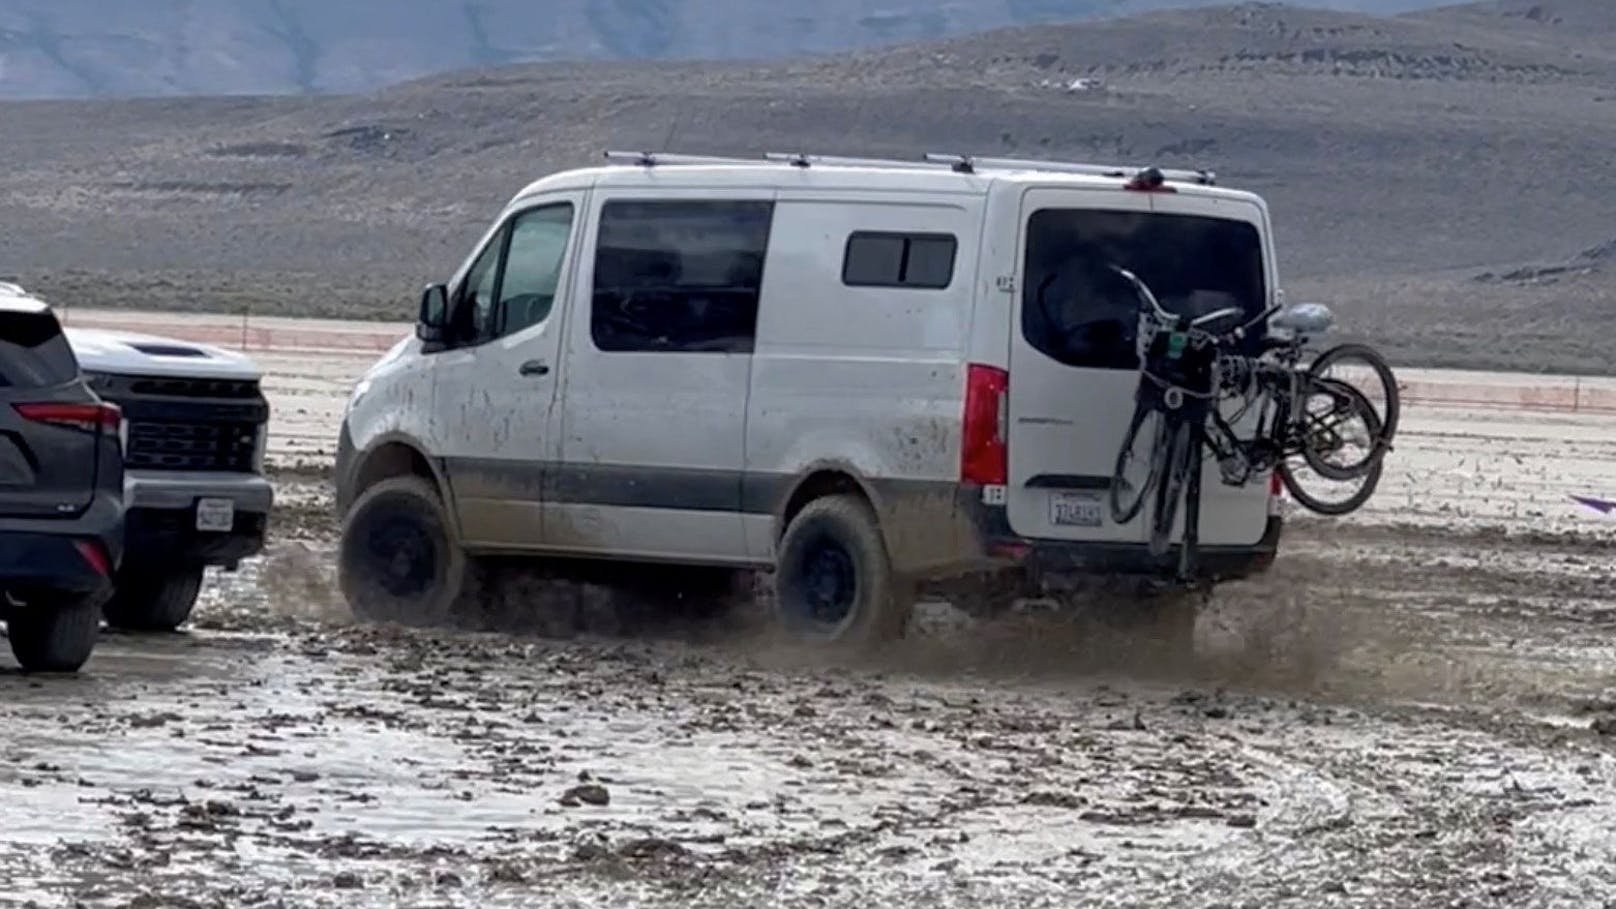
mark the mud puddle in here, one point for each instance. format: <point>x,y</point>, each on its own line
<point>1392,718</point>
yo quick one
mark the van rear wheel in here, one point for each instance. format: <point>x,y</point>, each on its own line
<point>398,560</point>
<point>834,583</point>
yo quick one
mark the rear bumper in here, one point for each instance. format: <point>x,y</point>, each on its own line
<point>163,490</point>
<point>1213,563</point>
<point>74,557</point>
<point>162,517</point>
<point>1001,546</point>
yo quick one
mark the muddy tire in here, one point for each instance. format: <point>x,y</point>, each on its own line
<point>834,583</point>
<point>1178,460</point>
<point>54,635</point>
<point>399,561</point>
<point>160,601</point>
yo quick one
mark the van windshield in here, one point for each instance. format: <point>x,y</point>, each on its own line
<point>1078,311</point>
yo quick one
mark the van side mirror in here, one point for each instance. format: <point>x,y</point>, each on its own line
<point>433,319</point>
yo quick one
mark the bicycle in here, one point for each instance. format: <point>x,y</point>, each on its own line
<point>1187,370</point>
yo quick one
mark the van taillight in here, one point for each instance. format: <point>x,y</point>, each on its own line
<point>984,448</point>
<point>87,416</point>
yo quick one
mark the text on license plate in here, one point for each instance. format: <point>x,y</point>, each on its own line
<point>1069,509</point>
<point>215,515</point>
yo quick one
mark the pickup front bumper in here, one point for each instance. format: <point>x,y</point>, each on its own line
<point>162,519</point>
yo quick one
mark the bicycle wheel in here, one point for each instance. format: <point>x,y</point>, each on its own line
<point>1318,501</point>
<point>1339,429</point>
<point>1138,465</point>
<point>1179,459</point>
<point>1362,367</point>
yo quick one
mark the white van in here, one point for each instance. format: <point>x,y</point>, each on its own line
<point>856,374</point>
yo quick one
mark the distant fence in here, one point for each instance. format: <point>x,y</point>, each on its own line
<point>1566,394</point>
<point>248,333</point>
<point>1434,388</point>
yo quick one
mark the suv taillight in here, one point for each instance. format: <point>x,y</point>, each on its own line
<point>91,417</point>
<point>984,443</point>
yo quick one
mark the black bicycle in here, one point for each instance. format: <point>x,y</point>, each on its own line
<point>1187,371</point>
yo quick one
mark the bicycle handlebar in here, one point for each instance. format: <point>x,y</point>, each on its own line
<point>1147,300</point>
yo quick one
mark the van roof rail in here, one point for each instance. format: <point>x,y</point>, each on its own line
<point>969,163</point>
<point>964,164</point>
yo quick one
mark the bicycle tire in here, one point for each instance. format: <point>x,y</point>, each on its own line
<point>1383,372</point>
<point>1178,461</point>
<point>1371,476</point>
<point>1120,514</point>
<point>1361,405</point>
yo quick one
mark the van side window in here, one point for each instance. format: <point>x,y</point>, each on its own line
<point>474,310</point>
<point>679,277</point>
<point>879,259</point>
<point>1076,310</point>
<point>533,260</point>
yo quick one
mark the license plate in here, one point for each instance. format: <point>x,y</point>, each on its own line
<point>215,515</point>
<point>1067,509</point>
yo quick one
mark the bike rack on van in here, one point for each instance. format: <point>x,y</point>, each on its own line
<point>965,164</point>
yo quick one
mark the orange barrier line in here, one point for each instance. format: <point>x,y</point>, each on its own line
<point>1564,396</point>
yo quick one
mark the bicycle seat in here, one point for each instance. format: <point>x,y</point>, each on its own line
<point>1305,318</point>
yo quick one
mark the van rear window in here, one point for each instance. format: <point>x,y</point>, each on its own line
<point>1079,312</point>
<point>879,259</point>
<point>33,351</point>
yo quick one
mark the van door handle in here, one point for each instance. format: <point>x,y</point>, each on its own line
<point>535,368</point>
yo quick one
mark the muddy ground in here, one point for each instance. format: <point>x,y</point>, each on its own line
<point>1413,709</point>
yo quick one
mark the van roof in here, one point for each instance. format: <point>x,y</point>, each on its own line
<point>936,174</point>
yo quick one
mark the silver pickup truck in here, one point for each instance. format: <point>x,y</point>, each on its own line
<point>194,487</point>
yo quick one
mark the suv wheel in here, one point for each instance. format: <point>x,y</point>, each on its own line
<point>53,634</point>
<point>834,583</point>
<point>153,601</point>
<point>398,560</point>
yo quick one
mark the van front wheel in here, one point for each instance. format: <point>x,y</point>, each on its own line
<point>834,583</point>
<point>399,562</point>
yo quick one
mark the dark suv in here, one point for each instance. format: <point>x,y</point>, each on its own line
<point>61,492</point>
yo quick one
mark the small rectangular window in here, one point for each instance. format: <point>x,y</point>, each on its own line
<point>879,259</point>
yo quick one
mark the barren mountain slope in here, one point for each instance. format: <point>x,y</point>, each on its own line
<point>1438,177</point>
<point>83,48</point>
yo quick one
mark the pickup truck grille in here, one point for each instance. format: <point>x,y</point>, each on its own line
<point>157,445</point>
<point>188,424</point>
<point>226,389</point>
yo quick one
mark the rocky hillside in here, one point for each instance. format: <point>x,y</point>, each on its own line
<point>96,48</point>
<point>1439,177</point>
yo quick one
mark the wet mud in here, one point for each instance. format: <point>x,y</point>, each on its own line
<point>1415,707</point>
<point>1393,717</point>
